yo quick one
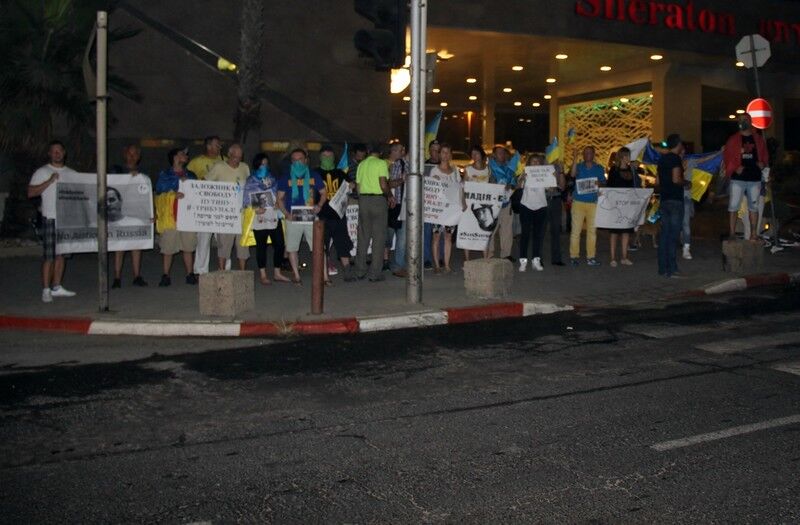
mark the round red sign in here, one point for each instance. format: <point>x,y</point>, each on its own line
<point>761,113</point>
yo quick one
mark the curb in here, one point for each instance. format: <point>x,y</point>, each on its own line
<point>157,328</point>
<point>351,325</point>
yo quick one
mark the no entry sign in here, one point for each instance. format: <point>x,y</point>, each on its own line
<point>761,113</point>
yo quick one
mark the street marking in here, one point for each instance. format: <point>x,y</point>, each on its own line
<point>544,308</point>
<point>722,434</point>
<point>164,329</point>
<point>789,368</point>
<point>667,330</point>
<point>733,346</point>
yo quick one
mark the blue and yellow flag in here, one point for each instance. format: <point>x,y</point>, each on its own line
<point>552,152</point>
<point>344,161</point>
<point>432,130</point>
<point>571,134</point>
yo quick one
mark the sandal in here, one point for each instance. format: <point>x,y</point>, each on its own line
<point>626,262</point>
<point>265,281</point>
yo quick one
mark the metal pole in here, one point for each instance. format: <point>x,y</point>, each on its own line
<point>102,100</point>
<point>413,193</point>
<point>755,65</point>
<point>318,268</point>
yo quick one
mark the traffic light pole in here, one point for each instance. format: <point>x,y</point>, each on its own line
<point>414,222</point>
<point>102,101</point>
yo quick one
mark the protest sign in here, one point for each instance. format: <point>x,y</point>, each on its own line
<point>352,230</point>
<point>339,201</point>
<point>269,219</point>
<point>129,201</point>
<point>540,176</point>
<point>621,208</point>
<point>442,202</point>
<point>479,220</point>
<point>586,186</point>
<point>209,206</point>
<point>303,214</point>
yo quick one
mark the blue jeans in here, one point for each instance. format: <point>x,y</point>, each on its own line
<point>671,225</point>
<point>688,213</point>
<point>399,261</point>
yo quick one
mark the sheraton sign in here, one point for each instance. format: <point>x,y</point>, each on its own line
<point>684,16</point>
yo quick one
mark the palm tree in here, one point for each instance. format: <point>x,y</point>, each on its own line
<point>250,78</point>
<point>42,87</point>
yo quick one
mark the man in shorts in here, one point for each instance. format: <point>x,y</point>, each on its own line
<point>745,157</point>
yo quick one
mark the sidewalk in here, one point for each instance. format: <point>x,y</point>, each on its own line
<point>280,305</point>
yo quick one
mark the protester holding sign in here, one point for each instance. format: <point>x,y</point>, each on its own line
<point>478,171</point>
<point>200,166</point>
<point>334,212</point>
<point>231,170</point>
<point>555,206</point>
<point>260,194</point>
<point>503,170</point>
<point>172,241</point>
<point>299,189</point>
<point>588,176</point>
<point>533,211</point>
<point>43,184</point>
<point>623,174</point>
<point>448,174</point>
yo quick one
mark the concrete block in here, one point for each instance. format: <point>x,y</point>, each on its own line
<point>742,256</point>
<point>488,278</point>
<point>227,294</point>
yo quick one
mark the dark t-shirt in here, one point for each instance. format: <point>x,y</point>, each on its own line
<point>615,179</point>
<point>333,180</point>
<point>669,190</point>
<point>751,171</point>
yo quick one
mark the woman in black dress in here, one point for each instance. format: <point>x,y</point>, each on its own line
<point>623,174</point>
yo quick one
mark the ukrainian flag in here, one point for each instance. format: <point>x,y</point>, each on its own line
<point>432,130</point>
<point>571,134</point>
<point>552,152</point>
<point>344,161</point>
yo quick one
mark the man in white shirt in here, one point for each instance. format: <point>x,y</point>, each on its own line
<point>43,184</point>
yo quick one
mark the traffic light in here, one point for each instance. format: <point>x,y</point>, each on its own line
<point>386,44</point>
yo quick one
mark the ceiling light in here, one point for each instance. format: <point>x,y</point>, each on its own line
<point>517,68</point>
<point>521,120</point>
<point>548,97</point>
<point>444,54</point>
<point>623,100</point>
<point>406,99</point>
<point>740,64</point>
<point>471,80</point>
<point>656,57</point>
<point>615,108</point>
<point>443,104</point>
<point>436,90</point>
<point>517,103</point>
<point>473,97</point>
<point>651,95</point>
<point>527,120</point>
<point>550,80</point>
<point>605,68</point>
<point>404,112</point>
<point>740,112</point>
<point>507,90</point>
<point>536,104</point>
<point>562,56</point>
<point>731,117</point>
<point>401,78</point>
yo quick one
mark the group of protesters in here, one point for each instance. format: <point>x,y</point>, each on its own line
<point>375,176</point>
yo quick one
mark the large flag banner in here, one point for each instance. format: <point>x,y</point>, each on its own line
<point>209,206</point>
<point>442,202</point>
<point>621,208</point>
<point>129,199</point>
<point>479,220</point>
<point>339,200</point>
<point>540,176</point>
<point>432,129</point>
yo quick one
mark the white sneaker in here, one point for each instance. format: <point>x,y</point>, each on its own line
<point>687,254</point>
<point>522,264</point>
<point>60,291</point>
<point>47,296</point>
<point>537,264</point>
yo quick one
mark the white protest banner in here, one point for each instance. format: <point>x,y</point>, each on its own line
<point>621,208</point>
<point>266,200</point>
<point>442,202</point>
<point>339,201</point>
<point>540,176</point>
<point>303,214</point>
<point>209,206</point>
<point>352,230</point>
<point>129,200</point>
<point>480,219</point>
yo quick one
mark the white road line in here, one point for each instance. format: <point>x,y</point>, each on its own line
<point>722,434</point>
<point>789,368</point>
<point>668,330</point>
<point>165,329</point>
<point>732,346</point>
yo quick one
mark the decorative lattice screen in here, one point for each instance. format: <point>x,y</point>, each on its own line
<point>598,124</point>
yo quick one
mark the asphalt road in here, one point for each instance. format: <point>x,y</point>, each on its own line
<point>678,413</point>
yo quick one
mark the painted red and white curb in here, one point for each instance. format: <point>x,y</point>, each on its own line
<point>352,325</point>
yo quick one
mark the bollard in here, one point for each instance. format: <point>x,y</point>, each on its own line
<point>318,268</point>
